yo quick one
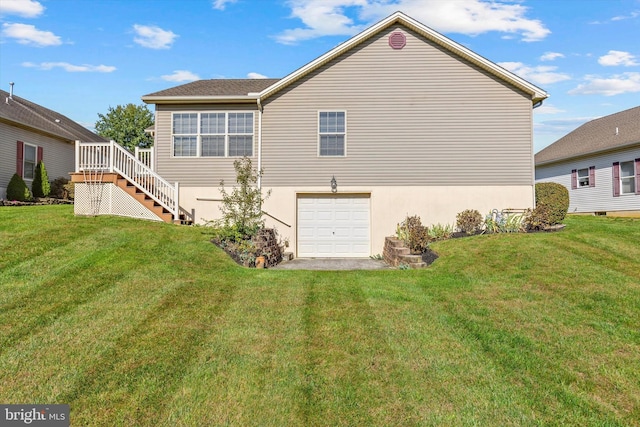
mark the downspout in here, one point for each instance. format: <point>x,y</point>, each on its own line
<point>259,143</point>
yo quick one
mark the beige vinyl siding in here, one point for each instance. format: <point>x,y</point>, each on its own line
<point>205,171</point>
<point>416,116</point>
<point>59,156</point>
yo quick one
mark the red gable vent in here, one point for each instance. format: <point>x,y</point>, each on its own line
<point>397,40</point>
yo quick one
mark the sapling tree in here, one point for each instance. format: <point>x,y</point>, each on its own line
<point>242,207</point>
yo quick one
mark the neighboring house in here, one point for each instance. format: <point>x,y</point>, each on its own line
<point>30,133</point>
<point>402,120</point>
<point>599,163</point>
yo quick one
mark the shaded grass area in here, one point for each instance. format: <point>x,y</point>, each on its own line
<point>140,323</point>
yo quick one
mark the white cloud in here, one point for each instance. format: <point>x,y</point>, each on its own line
<point>256,76</point>
<point>221,4</point>
<point>547,109</point>
<point>632,15</point>
<point>71,68</point>
<point>541,74</point>
<point>180,76</point>
<point>329,17</point>
<point>617,57</point>
<point>24,8</point>
<point>550,56</point>
<point>30,35</point>
<point>615,85</point>
<point>153,37</point>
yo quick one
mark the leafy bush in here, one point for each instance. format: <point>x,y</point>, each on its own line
<point>414,234</point>
<point>58,188</point>
<point>40,186</point>
<point>469,221</point>
<point>440,232</point>
<point>555,198</point>
<point>17,189</point>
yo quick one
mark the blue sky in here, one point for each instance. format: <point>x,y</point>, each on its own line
<point>80,57</point>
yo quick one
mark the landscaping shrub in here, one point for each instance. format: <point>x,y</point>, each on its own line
<point>502,222</point>
<point>440,232</point>
<point>59,188</point>
<point>555,198</point>
<point>414,234</point>
<point>469,221</point>
<point>17,189</point>
<point>40,186</point>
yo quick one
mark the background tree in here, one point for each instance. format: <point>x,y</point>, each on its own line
<point>126,125</point>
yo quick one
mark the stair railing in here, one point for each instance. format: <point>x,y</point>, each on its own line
<point>112,157</point>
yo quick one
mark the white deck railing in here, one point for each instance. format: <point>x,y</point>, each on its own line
<point>145,155</point>
<point>112,157</point>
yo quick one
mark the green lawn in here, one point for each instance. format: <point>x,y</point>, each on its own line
<point>141,323</point>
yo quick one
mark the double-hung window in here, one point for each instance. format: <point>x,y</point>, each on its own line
<point>213,134</point>
<point>332,132</point>
<point>585,177</point>
<point>627,178</point>
<point>29,161</point>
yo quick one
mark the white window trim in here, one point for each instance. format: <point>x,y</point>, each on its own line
<point>632,178</point>
<point>585,176</point>
<point>24,159</point>
<point>199,134</point>
<point>328,110</point>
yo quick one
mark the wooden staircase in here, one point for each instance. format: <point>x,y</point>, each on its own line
<point>144,199</point>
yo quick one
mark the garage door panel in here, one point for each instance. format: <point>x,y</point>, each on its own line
<point>333,227</point>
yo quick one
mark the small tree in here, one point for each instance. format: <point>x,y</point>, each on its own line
<point>242,208</point>
<point>41,186</point>
<point>126,125</point>
<point>17,189</point>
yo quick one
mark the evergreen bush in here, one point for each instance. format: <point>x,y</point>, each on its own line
<point>552,202</point>
<point>17,189</point>
<point>40,186</point>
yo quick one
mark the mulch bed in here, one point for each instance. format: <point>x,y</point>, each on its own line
<point>37,202</point>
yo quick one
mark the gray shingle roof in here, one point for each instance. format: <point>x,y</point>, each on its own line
<point>217,87</point>
<point>595,136</point>
<point>24,113</point>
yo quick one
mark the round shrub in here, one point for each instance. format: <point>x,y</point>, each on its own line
<point>58,188</point>
<point>40,186</point>
<point>17,189</point>
<point>469,221</point>
<point>555,199</point>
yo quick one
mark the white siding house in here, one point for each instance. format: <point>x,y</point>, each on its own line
<point>599,163</point>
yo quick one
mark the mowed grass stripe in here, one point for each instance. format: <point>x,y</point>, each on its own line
<point>249,368</point>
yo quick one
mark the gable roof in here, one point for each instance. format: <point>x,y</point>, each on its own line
<point>23,113</point>
<point>611,132</point>
<point>215,90</point>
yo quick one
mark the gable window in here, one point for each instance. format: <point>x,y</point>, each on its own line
<point>219,134</point>
<point>29,161</point>
<point>332,133</point>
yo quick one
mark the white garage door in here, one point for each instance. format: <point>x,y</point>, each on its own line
<point>333,226</point>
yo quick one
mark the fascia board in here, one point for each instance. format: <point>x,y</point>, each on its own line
<point>220,99</point>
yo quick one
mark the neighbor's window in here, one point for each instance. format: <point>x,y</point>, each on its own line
<point>218,134</point>
<point>583,177</point>
<point>627,178</point>
<point>29,161</point>
<point>332,132</point>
